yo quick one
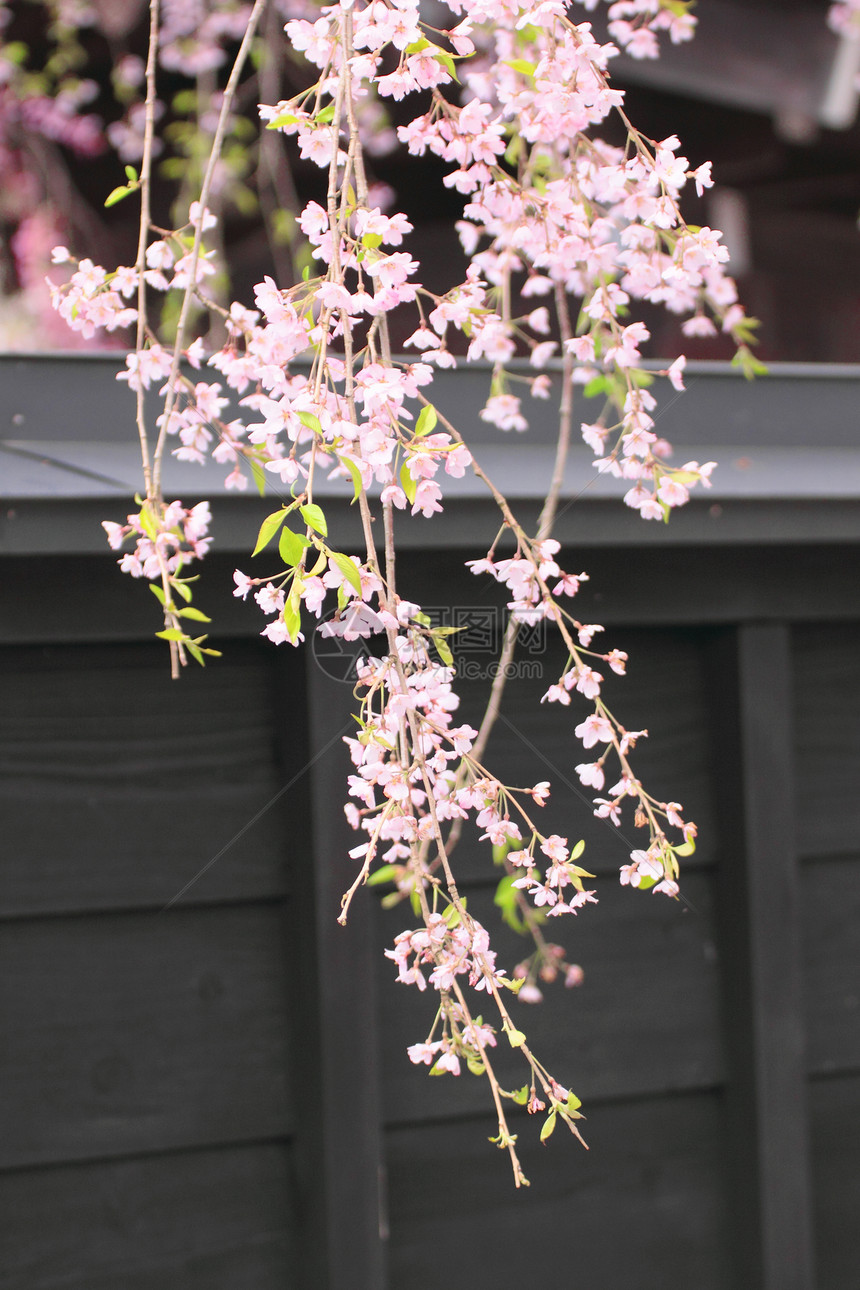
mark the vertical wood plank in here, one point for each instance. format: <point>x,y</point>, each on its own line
<point>760,904</point>
<point>339,1137</point>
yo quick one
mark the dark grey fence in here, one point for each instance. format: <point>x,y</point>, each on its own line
<point>204,1077</point>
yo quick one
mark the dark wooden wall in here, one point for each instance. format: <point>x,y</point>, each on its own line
<point>147,1106</point>
<point>206,1086</point>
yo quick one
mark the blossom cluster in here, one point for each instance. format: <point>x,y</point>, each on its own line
<point>552,215</point>
<point>164,542</point>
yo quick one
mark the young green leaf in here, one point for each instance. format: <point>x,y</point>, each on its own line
<point>597,385</point>
<point>385,873</point>
<point>407,483</point>
<point>117,194</point>
<point>194,614</point>
<point>521,65</point>
<point>313,516</point>
<point>506,900</point>
<point>427,419</point>
<point>285,118</point>
<point>259,475</point>
<point>500,851</point>
<point>291,546</point>
<point>357,482</point>
<point>347,568</point>
<point>147,523</point>
<point>443,649</point>
<point>447,61</point>
<point>548,1126</point>
<point>310,422</point>
<point>292,619</point>
<point>268,529</point>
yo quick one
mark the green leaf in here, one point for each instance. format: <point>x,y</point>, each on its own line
<point>522,1095</point>
<point>259,475</point>
<point>597,385</point>
<point>131,174</point>
<point>319,564</point>
<point>194,614</point>
<point>685,849</point>
<point>310,422</point>
<point>292,618</point>
<point>427,419</point>
<point>684,476</point>
<point>548,1126</point>
<point>443,57</point>
<point>500,851</point>
<point>291,546</point>
<point>452,916</point>
<point>506,899</point>
<point>573,1102</point>
<point>147,523</point>
<point>118,194</point>
<point>347,568</point>
<point>476,1066</point>
<point>506,892</point>
<point>171,634</point>
<point>313,516</point>
<point>184,591</point>
<point>443,649</point>
<point>285,118</point>
<point>577,852</point>
<point>516,1038</point>
<point>357,482</point>
<point>371,241</point>
<point>385,873</point>
<point>196,652</point>
<point>326,115</point>
<point>268,529</point>
<point>521,65</point>
<point>158,592</point>
<point>408,484</point>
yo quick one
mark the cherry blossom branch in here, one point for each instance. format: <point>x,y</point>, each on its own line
<point>214,156</point>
